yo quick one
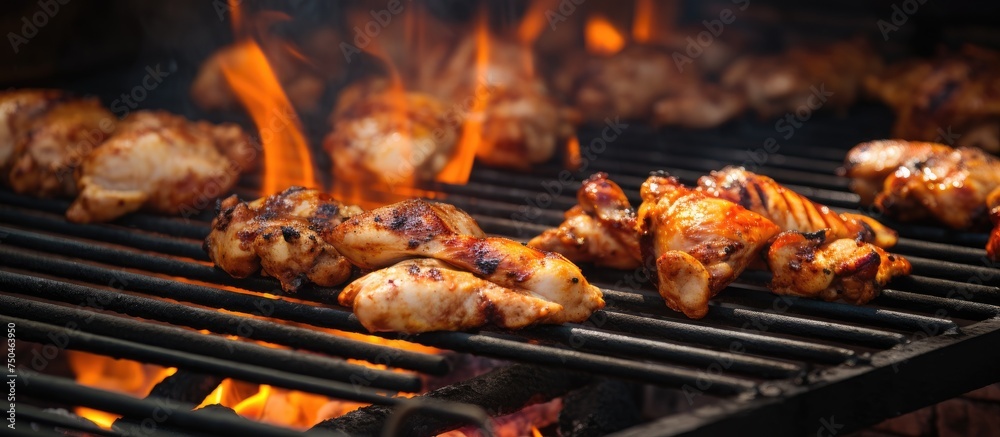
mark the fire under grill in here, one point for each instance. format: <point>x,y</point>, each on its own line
<point>142,288</point>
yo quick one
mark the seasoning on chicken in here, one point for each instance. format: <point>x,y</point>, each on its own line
<point>789,210</point>
<point>18,109</point>
<point>421,295</point>
<point>418,229</point>
<point>159,162</point>
<point>54,143</point>
<point>600,229</point>
<point>952,94</point>
<point>699,244</point>
<point>827,76</point>
<point>819,265</point>
<point>286,236</point>
<point>389,136</point>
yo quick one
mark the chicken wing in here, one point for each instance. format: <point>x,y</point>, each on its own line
<point>700,106</point>
<point>601,229</point>
<point>56,143</point>
<point>819,265</point>
<point>285,235</point>
<point>423,295</point>
<point>159,162</point>
<point>790,210</point>
<point>698,243</point>
<point>412,229</point>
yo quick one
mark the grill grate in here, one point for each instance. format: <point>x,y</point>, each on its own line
<point>775,356</point>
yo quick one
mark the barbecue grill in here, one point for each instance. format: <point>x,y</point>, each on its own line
<point>758,361</point>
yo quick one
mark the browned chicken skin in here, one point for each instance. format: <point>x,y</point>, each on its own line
<point>789,210</point>
<point>286,236</point>
<point>869,164</point>
<point>699,106</point>
<point>601,229</point>
<point>418,229</point>
<point>819,265</point>
<point>159,162</point>
<point>55,143</point>
<point>698,243</point>
<point>18,109</point>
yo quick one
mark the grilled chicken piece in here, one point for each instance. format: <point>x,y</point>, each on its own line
<point>601,229</point>
<point>781,83</point>
<point>698,243</point>
<point>522,126</point>
<point>869,164</point>
<point>159,162</point>
<point>56,142</point>
<point>953,97</point>
<point>416,229</point>
<point>389,136</point>
<point>701,106</point>
<point>423,295</point>
<point>18,109</point>
<point>950,187</point>
<point>790,210</point>
<point>628,84</point>
<point>286,235</point>
<point>819,265</point>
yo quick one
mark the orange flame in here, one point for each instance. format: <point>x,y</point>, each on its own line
<point>286,156</point>
<point>460,166</point>
<point>535,432</point>
<point>642,21</point>
<point>602,38</point>
<point>107,373</point>
<point>534,20</point>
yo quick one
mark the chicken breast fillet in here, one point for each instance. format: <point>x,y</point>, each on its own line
<point>789,210</point>
<point>286,236</point>
<point>421,295</point>
<point>56,142</point>
<point>601,229</point>
<point>159,162</point>
<point>18,109</point>
<point>818,265</point>
<point>699,244</point>
<point>415,228</point>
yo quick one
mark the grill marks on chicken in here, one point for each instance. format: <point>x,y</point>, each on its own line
<point>601,229</point>
<point>417,229</point>
<point>286,236</point>
<point>811,265</point>
<point>916,181</point>
<point>789,210</point>
<point>698,243</point>
<point>159,162</point>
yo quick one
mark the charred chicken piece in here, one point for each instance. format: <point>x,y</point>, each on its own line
<point>18,109</point>
<point>790,210</point>
<point>993,244</point>
<point>825,76</point>
<point>423,295</point>
<point>818,265</point>
<point>869,164</point>
<point>286,236</point>
<point>418,229</point>
<point>388,136</point>
<point>159,162</point>
<point>699,244</point>
<point>56,142</point>
<point>600,229</point>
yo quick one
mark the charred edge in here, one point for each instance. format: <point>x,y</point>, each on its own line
<point>762,195</point>
<point>290,233</point>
